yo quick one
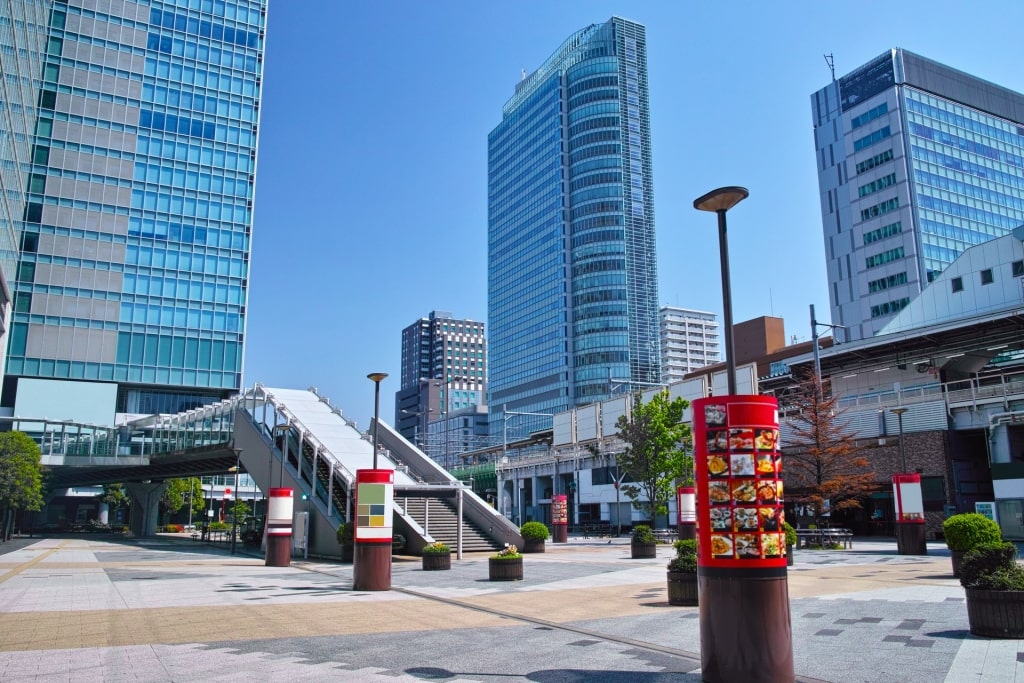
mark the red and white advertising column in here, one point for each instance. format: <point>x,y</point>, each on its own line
<point>686,503</point>
<point>906,492</point>
<point>374,505</point>
<point>279,528</point>
<point>559,518</point>
<point>745,628</point>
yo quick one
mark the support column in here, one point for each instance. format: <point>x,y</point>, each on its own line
<point>145,506</point>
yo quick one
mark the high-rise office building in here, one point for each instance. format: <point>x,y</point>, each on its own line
<point>916,162</point>
<point>132,283</point>
<point>444,370</point>
<point>572,273</point>
<point>22,44</point>
<point>689,341</point>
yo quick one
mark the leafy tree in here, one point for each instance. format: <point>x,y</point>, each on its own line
<point>115,496</point>
<point>21,477</point>
<point>824,464</point>
<point>656,451</point>
<point>181,492</point>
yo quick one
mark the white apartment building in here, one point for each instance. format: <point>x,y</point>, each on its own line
<point>689,341</point>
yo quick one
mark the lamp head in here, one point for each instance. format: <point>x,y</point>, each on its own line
<point>377,376</point>
<point>722,199</point>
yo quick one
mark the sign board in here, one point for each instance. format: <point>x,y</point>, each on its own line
<point>559,509</point>
<point>739,482</point>
<point>375,494</point>
<point>906,489</point>
<point>986,509</point>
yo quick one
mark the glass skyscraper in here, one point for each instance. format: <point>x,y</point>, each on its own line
<point>572,273</point>
<point>135,232</point>
<point>916,162</point>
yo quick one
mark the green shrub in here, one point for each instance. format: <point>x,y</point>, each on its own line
<point>397,543</point>
<point>642,534</point>
<point>992,566</point>
<point>967,531</point>
<point>436,548</point>
<point>790,534</point>
<point>346,530</point>
<point>219,526</point>
<point>686,557</point>
<point>534,531</point>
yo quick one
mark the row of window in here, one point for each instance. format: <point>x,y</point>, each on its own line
<point>595,151</point>
<point>879,209</point>
<point>883,232</point>
<point>595,82</point>
<point>876,160</point>
<point>591,124</point>
<point>181,317</point>
<point>203,29</point>
<point>225,186</point>
<point>215,155</point>
<point>171,259</point>
<point>199,102</point>
<point>876,185</point>
<point>962,143</point>
<point>191,207</point>
<point>595,179</point>
<point>179,73</point>
<point>889,307</point>
<point>971,120</point>
<point>17,364</point>
<point>868,140</point>
<point>977,191</point>
<point>887,282</point>
<point>594,96</point>
<point>884,257</point>
<point>968,167</point>
<point>870,115</point>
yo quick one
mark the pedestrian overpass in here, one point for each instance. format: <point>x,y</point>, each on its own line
<point>282,438</point>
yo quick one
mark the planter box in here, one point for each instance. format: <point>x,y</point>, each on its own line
<point>347,552</point>
<point>531,546</point>
<point>682,588</point>
<point>643,551</point>
<point>436,561</point>
<point>958,559</point>
<point>995,614</point>
<point>505,570</point>
<point>789,556</point>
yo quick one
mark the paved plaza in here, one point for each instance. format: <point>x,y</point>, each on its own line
<point>170,609</point>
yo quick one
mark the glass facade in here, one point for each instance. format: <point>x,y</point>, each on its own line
<point>572,277</point>
<point>22,43</point>
<point>919,162</point>
<point>136,234</point>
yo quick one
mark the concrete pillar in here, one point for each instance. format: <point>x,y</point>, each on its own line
<point>145,506</point>
<point>104,513</point>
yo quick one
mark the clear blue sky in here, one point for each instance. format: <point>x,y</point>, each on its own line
<point>371,190</point>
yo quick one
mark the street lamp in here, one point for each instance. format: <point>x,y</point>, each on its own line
<point>719,201</point>
<point>898,412</point>
<point>376,378</point>
<point>234,512</point>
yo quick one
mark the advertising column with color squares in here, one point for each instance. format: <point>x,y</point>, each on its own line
<point>371,564</point>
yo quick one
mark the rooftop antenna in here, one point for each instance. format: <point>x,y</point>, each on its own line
<point>524,75</point>
<point>830,60</point>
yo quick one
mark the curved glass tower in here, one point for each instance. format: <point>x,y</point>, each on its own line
<point>572,277</point>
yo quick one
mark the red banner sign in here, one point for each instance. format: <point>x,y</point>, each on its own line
<point>559,509</point>
<point>738,465</point>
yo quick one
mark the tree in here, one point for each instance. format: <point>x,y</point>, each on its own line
<point>21,478</point>
<point>180,492</point>
<point>656,451</point>
<point>824,463</point>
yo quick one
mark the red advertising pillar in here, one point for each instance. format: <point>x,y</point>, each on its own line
<point>559,518</point>
<point>279,528</point>
<point>686,503</point>
<point>745,628</point>
<point>910,538</point>
<point>374,506</point>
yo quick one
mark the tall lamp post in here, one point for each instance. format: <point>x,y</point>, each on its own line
<point>376,378</point>
<point>720,201</point>
<point>898,412</point>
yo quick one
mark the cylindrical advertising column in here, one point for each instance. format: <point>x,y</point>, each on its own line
<point>686,502</point>
<point>374,506</point>
<point>910,538</point>
<point>745,628</point>
<point>559,518</point>
<point>279,528</point>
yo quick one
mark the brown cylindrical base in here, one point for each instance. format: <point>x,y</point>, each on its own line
<point>371,567</point>
<point>910,539</point>
<point>687,530</point>
<point>745,629</point>
<point>279,551</point>
<point>559,533</point>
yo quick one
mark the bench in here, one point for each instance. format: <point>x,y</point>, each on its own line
<point>665,535</point>
<point>824,537</point>
<point>598,530</point>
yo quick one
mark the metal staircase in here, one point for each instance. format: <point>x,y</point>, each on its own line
<point>440,519</point>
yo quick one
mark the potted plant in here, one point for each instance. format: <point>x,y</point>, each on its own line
<point>436,556</point>
<point>790,542</point>
<point>965,532</point>
<point>507,565</point>
<point>534,534</point>
<point>994,585</point>
<point>682,574</point>
<point>346,531</point>
<point>643,544</point>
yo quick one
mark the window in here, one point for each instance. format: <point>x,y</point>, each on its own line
<point>933,493</point>
<point>884,257</point>
<point>870,115</point>
<point>879,209</point>
<point>868,140</point>
<point>1018,268</point>
<point>958,284</point>
<point>47,99</point>
<point>889,307</point>
<point>986,276</point>
<point>883,232</point>
<point>876,160</point>
<point>876,185</point>
<point>30,242</point>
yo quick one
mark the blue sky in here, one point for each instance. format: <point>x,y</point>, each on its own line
<point>371,190</point>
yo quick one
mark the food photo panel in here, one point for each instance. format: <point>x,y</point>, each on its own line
<point>718,466</point>
<point>745,519</point>
<point>718,492</point>
<point>721,545</point>
<point>769,518</point>
<point>770,545</point>
<point>744,491</point>
<point>718,441</point>
<point>767,491</point>
<point>765,465</point>
<point>748,547</point>
<point>721,519</point>
<point>741,439</point>
<point>766,439</point>
<point>714,415</point>
<point>742,464</point>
